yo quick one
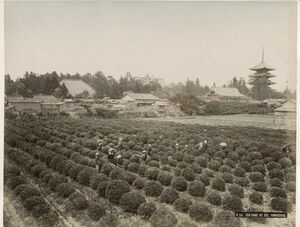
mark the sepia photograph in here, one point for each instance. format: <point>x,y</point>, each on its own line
<point>149,114</point>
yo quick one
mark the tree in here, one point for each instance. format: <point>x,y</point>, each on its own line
<point>10,87</point>
<point>64,90</point>
<point>58,93</point>
<point>189,104</point>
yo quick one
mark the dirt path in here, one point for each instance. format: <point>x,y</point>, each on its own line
<point>245,120</point>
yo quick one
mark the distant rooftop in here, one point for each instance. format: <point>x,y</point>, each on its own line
<point>77,86</point>
<point>35,98</point>
<point>141,96</point>
<point>226,91</point>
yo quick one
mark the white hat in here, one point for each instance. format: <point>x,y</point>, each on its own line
<point>223,144</point>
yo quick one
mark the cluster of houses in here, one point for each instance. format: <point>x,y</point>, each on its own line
<point>129,101</point>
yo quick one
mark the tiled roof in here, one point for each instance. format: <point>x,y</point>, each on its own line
<point>262,65</point>
<point>142,96</point>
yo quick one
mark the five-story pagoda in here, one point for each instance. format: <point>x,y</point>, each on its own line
<point>260,80</point>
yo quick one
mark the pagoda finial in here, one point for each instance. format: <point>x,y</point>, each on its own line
<point>262,54</point>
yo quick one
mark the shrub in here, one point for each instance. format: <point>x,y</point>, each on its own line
<point>182,165</point>
<point>233,156</point>
<point>204,178</point>
<point>227,177</point>
<point>291,186</point>
<point>177,172</point>
<point>218,184</point>
<point>153,163</point>
<point>278,192</point>
<point>128,177</point>
<point>107,168</point>
<point>96,211</point>
<point>28,192</point>
<point>96,179</point>
<point>152,173</point>
<point>197,188</point>
<point>196,168</point>
<point>230,163</point>
<point>276,173</point>
<point>225,169</point>
<point>280,204</point>
<point>259,186</point>
<point>210,173</point>
<point>225,218</point>
<point>133,167</point>
<point>214,165</point>
<point>259,168</point>
<point>214,198</point>
<point>55,180</point>
<point>256,177</point>
<point>257,162</point>
<point>163,217</point>
<point>178,156</point>
<point>267,160</point>
<point>242,181</point>
<point>188,158</point>
<point>202,161</point>
<point>273,165</point>
<point>169,196</point>
<point>153,189</point>
<point>164,178</point>
<point>291,177</point>
<point>79,202</point>
<point>142,170</point>
<point>15,181</point>
<point>172,162</point>
<point>74,171</point>
<point>135,158</point>
<point>232,202</point>
<point>18,189</point>
<point>139,183</point>
<point>276,182</point>
<point>256,197</point>
<point>37,169</point>
<point>179,183</point>
<point>131,201</point>
<point>40,210</point>
<point>146,210</point>
<point>200,212</point>
<point>239,172</point>
<point>182,204</point>
<point>33,201</point>
<point>101,188</point>
<point>188,174</point>
<point>115,189</point>
<point>64,189</point>
<point>84,176</point>
<point>235,189</point>
<point>220,154</point>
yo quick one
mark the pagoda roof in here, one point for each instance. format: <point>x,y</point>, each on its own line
<point>262,65</point>
<point>268,75</point>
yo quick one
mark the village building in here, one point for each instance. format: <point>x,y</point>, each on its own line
<point>287,109</point>
<point>77,87</point>
<point>138,99</point>
<point>36,103</point>
<point>225,93</point>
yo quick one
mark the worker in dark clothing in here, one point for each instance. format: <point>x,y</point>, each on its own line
<point>97,159</point>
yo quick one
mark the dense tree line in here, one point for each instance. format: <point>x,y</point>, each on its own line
<point>48,84</point>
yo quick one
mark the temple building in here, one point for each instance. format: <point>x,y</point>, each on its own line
<point>260,80</point>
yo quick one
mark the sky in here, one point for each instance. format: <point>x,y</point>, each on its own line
<point>212,41</point>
